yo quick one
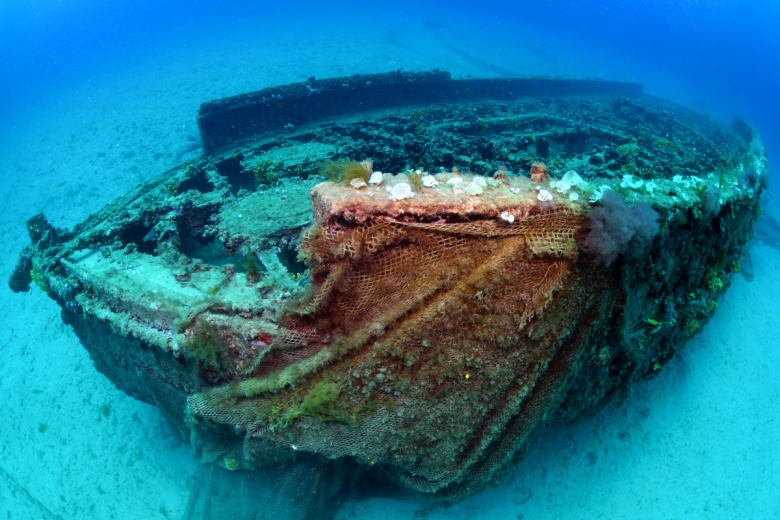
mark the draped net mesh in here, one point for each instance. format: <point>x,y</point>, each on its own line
<point>419,348</point>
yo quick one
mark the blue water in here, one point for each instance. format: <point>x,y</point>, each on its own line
<point>719,55</point>
<point>81,81</point>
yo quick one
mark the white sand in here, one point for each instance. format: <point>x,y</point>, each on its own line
<point>699,441</point>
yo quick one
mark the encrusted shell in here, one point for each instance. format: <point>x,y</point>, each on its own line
<point>400,191</point>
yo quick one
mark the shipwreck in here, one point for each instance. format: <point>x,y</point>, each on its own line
<point>404,276</point>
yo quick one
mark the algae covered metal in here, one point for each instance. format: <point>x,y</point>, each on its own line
<point>487,257</point>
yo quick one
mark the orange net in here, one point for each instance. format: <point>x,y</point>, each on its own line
<point>427,336</point>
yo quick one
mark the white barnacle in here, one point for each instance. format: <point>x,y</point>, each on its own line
<point>472,188</point>
<point>629,181</point>
<point>544,196</point>
<point>357,183</point>
<point>573,179</point>
<point>679,179</point>
<point>599,192</point>
<point>376,178</point>
<point>401,191</point>
<point>508,217</point>
<point>429,181</point>
<point>561,186</point>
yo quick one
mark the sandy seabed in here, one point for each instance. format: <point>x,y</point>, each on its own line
<point>699,441</point>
